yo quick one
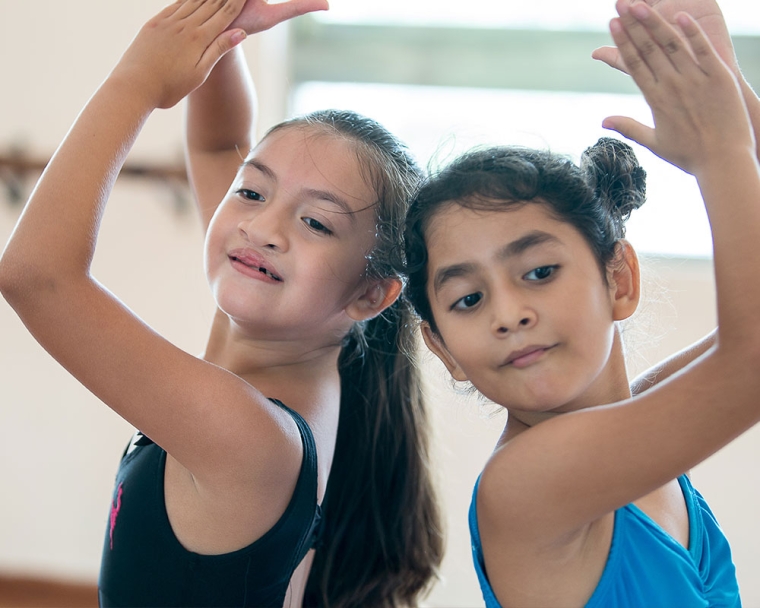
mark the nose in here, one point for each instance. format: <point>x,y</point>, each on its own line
<point>511,312</point>
<point>266,227</point>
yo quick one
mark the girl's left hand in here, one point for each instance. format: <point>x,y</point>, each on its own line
<point>259,15</point>
<point>174,52</point>
<point>699,113</point>
<point>706,13</point>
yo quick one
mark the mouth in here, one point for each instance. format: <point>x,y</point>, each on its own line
<point>526,356</point>
<point>254,263</point>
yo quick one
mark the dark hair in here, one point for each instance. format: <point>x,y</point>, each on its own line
<point>596,197</point>
<point>381,537</point>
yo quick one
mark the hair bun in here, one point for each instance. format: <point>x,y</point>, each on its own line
<point>613,172</point>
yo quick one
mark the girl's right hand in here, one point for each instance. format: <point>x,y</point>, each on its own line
<point>696,101</point>
<point>175,51</point>
<point>259,15</point>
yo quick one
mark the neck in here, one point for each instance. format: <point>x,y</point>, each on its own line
<point>299,374</point>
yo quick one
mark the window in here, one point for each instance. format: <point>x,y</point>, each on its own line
<point>446,76</point>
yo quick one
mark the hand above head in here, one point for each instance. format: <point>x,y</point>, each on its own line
<point>706,13</point>
<point>259,15</point>
<point>696,101</point>
<point>175,51</point>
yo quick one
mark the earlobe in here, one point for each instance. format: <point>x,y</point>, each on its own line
<point>377,296</point>
<point>625,280</point>
<point>435,344</point>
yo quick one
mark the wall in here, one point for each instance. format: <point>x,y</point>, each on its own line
<point>60,446</point>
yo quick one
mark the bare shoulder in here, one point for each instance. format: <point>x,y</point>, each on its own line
<point>526,562</point>
<point>224,511</point>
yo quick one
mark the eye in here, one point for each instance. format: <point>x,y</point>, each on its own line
<point>467,302</point>
<point>541,273</point>
<point>250,195</point>
<point>317,226</point>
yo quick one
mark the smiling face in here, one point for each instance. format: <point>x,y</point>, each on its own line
<point>522,309</point>
<point>286,250</point>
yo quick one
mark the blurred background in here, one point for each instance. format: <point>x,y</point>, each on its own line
<point>442,76</point>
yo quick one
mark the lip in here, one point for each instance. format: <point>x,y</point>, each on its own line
<point>527,356</point>
<point>254,265</point>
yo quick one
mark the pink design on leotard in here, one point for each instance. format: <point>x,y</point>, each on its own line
<point>115,512</point>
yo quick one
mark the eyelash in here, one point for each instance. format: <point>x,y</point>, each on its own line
<point>455,305</point>
<point>317,226</point>
<point>313,224</point>
<point>251,195</point>
<point>551,268</point>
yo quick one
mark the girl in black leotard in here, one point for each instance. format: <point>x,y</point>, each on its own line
<point>216,501</point>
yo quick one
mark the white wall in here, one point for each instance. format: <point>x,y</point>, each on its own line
<point>59,446</point>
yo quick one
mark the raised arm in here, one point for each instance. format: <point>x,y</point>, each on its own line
<point>567,472</point>
<point>220,119</point>
<point>219,131</point>
<point>673,364</point>
<point>708,15</point>
<point>45,269</point>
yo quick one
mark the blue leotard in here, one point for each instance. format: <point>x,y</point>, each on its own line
<point>646,567</point>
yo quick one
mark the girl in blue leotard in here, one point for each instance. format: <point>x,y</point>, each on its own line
<point>519,270</point>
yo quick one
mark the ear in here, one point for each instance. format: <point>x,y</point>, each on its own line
<point>376,297</point>
<point>435,343</point>
<point>625,281</point>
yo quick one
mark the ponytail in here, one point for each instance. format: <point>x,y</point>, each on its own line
<point>381,537</point>
<point>381,540</point>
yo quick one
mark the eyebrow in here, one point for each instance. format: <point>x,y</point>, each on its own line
<point>515,248</point>
<point>325,195</point>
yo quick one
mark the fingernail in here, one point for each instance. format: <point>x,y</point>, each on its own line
<point>239,36</point>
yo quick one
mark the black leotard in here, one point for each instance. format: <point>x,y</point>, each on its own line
<point>145,565</point>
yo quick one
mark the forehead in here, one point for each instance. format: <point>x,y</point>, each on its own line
<point>305,157</point>
<point>455,233</point>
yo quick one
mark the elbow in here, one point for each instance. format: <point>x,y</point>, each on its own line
<point>22,284</point>
<point>9,277</point>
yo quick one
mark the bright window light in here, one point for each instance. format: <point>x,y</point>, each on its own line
<point>438,123</point>
<point>743,17</point>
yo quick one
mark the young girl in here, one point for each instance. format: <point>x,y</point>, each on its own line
<point>519,270</point>
<point>217,498</point>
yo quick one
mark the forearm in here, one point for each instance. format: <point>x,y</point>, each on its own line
<point>731,190</point>
<point>56,234</point>
<point>219,131</point>
<point>221,113</point>
<point>753,107</point>
<point>675,363</point>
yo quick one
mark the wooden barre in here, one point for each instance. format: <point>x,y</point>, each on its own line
<point>15,168</point>
<point>22,165</point>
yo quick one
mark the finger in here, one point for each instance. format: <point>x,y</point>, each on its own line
<point>631,129</point>
<point>611,56</point>
<point>187,8</point>
<point>223,44</point>
<point>217,10</point>
<point>217,15</point>
<point>295,8</point>
<point>637,67</point>
<point>701,47</point>
<point>639,21</point>
<point>673,46</point>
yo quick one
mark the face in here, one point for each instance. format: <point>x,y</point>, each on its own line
<point>522,309</point>
<point>286,250</point>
